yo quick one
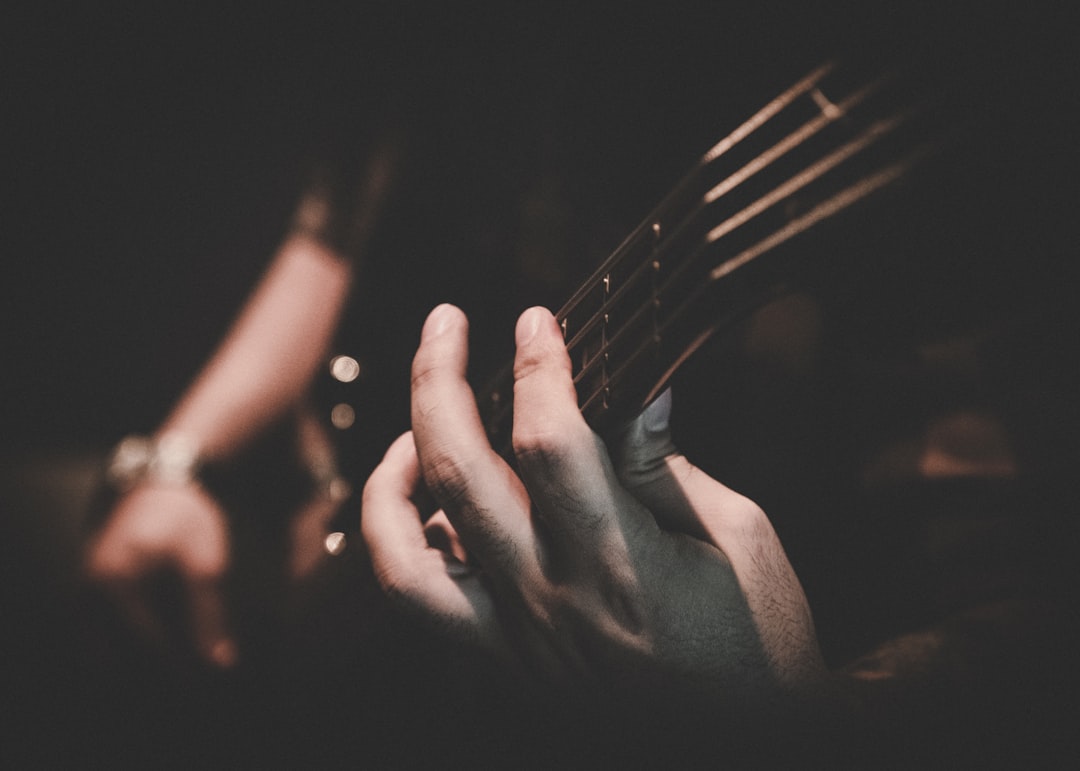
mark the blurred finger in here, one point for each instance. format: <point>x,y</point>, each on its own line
<point>209,620</point>
<point>119,570</point>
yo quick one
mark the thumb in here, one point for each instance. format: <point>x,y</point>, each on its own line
<point>680,496</point>
<point>639,449</point>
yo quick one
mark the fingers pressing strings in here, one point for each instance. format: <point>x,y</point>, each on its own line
<point>482,498</point>
<point>589,518</point>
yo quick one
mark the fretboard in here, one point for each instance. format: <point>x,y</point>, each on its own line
<point>716,245</point>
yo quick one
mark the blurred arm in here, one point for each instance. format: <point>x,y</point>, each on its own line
<point>270,354</point>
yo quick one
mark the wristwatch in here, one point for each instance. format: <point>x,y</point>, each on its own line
<point>168,459</point>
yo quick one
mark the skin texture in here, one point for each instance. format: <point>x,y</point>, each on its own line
<point>618,566</point>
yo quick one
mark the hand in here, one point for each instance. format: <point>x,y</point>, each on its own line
<point>630,570</point>
<point>160,528</point>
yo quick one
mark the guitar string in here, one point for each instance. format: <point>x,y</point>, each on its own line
<point>799,180</point>
<point>830,207</point>
<point>498,385</point>
<point>829,113</point>
<point>756,121</point>
<point>876,131</point>
<point>824,210</point>
<point>757,165</point>
<point>810,174</point>
<point>760,118</point>
<point>727,226</point>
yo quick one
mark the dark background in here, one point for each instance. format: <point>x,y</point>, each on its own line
<point>153,156</point>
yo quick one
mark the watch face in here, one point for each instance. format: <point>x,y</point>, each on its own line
<point>171,459</point>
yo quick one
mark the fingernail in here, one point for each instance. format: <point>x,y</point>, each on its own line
<point>528,325</point>
<point>438,321</point>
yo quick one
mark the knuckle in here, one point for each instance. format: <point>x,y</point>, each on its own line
<point>448,478</point>
<point>549,441</point>
<point>625,608</point>
<point>425,370</point>
<point>536,359</point>
<point>537,443</point>
<point>436,359</point>
<point>549,360</point>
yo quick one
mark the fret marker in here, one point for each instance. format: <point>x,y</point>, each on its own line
<point>656,265</point>
<point>656,229</point>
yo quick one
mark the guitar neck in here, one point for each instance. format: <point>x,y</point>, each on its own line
<point>718,244</point>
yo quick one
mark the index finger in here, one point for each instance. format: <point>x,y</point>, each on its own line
<point>480,494</point>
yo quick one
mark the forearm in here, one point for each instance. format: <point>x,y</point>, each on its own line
<point>270,354</point>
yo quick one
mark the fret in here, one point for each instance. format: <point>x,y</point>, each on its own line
<point>814,124</point>
<point>766,113</point>
<point>720,186</point>
<point>689,190</point>
<point>818,149</point>
<point>585,318</point>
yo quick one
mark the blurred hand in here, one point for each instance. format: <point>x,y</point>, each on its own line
<point>167,528</point>
<point>626,569</point>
